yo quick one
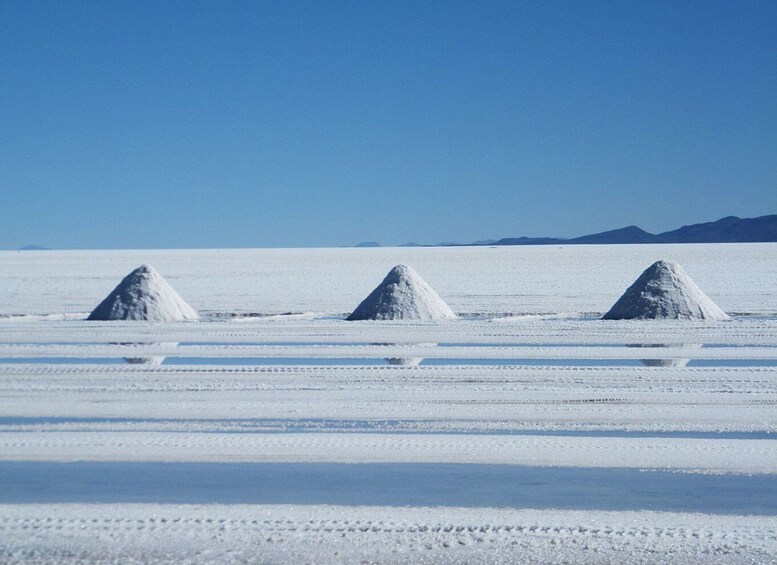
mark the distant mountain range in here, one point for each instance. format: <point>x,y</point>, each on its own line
<point>726,230</point>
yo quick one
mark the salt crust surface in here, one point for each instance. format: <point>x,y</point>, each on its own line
<point>147,533</point>
<point>178,414</point>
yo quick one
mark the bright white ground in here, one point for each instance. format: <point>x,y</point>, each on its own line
<point>373,534</point>
<point>740,278</point>
<point>546,436</point>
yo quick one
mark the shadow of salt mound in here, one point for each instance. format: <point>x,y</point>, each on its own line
<point>151,359</point>
<point>666,362</point>
<point>404,361</point>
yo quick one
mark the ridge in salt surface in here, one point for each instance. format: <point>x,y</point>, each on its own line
<point>403,295</point>
<point>664,291</point>
<point>144,295</point>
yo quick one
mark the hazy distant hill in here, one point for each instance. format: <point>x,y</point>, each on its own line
<point>529,241</point>
<point>33,248</point>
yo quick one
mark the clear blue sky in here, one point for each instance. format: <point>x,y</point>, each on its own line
<point>252,124</point>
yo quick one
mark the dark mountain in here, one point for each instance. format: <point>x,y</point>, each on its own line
<point>531,241</point>
<point>630,234</point>
<point>726,230</point>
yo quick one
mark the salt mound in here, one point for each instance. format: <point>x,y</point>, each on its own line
<point>664,291</point>
<point>403,295</point>
<point>143,295</point>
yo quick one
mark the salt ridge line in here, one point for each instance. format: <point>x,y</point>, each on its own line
<point>384,351</point>
<point>486,426</point>
<point>741,456</point>
<point>754,332</point>
<point>540,338</point>
<point>316,426</point>
<point>493,323</point>
<point>579,422</point>
<point>454,376</point>
<point>57,533</point>
<point>474,377</point>
<point>496,324</point>
<point>694,391</point>
<point>442,394</point>
<point>239,406</point>
<point>386,374</point>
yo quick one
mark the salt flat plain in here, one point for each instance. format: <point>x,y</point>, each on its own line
<point>473,280</point>
<point>275,432</point>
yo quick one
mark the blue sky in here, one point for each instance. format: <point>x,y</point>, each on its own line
<point>253,124</point>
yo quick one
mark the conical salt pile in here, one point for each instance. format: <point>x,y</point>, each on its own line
<point>403,295</point>
<point>144,295</point>
<point>663,292</point>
